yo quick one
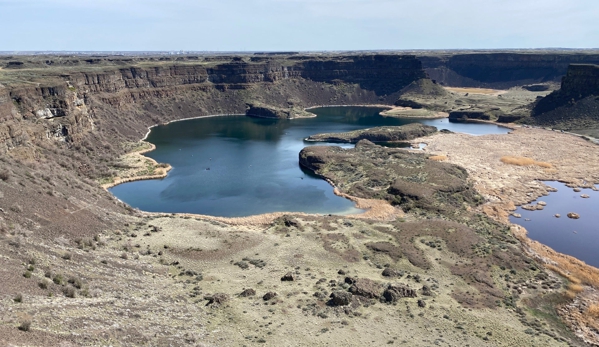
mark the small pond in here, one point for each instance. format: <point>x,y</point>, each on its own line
<point>238,166</point>
<point>576,237</point>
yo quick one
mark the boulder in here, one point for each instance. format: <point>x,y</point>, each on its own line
<point>269,296</point>
<point>366,288</point>
<point>288,277</point>
<point>216,299</point>
<point>573,215</point>
<point>247,292</point>
<point>389,272</point>
<point>341,298</point>
<point>396,292</point>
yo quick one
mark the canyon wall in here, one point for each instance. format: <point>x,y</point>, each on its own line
<point>501,70</point>
<point>69,98</point>
<point>576,104</point>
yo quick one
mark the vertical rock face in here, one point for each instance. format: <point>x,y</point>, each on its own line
<point>501,70</point>
<point>384,74</point>
<point>576,101</point>
<point>64,98</point>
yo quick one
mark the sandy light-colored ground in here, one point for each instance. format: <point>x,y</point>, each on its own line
<point>573,160</point>
<point>483,91</point>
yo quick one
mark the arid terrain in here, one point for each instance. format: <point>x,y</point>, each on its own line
<point>434,260</point>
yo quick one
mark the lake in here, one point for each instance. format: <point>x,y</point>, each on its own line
<point>234,166</point>
<point>576,237</point>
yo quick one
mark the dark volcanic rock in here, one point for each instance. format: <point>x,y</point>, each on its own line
<point>575,104</point>
<point>406,179</point>
<point>462,116</point>
<point>269,296</point>
<point>389,272</point>
<point>217,299</point>
<point>288,277</point>
<point>366,288</point>
<point>536,87</point>
<point>340,298</point>
<point>378,134</point>
<point>396,292</point>
<point>247,292</point>
<point>350,280</point>
<point>501,70</point>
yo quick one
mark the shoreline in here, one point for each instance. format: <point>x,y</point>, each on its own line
<point>140,153</point>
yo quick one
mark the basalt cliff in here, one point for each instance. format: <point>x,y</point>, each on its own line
<point>65,99</point>
<point>575,106</point>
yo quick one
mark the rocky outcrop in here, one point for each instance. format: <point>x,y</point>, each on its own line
<point>379,134</point>
<point>407,179</point>
<point>266,111</point>
<point>464,116</point>
<point>575,104</point>
<point>396,292</point>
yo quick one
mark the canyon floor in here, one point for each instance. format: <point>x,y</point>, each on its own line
<point>432,262</point>
<point>181,280</point>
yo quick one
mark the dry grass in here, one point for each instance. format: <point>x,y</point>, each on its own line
<point>438,157</point>
<point>524,161</point>
<point>576,288</point>
<point>593,311</point>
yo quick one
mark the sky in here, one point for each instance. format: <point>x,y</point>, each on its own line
<point>295,25</point>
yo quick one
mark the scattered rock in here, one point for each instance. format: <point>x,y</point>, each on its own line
<point>557,215</point>
<point>341,272</point>
<point>584,196</point>
<point>389,272</point>
<point>542,203</point>
<point>539,207</point>
<point>340,298</point>
<point>290,222</point>
<point>528,207</point>
<point>395,292</point>
<point>577,190</point>
<point>573,215</point>
<point>516,215</point>
<point>320,295</point>
<point>350,280</point>
<point>269,296</point>
<point>366,288</point>
<point>426,291</point>
<point>421,303</point>
<point>247,292</point>
<point>288,277</point>
<point>216,299</point>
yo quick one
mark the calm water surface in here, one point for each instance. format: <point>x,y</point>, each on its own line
<point>576,237</point>
<point>239,166</point>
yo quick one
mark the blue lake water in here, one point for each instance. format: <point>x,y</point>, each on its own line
<point>238,166</point>
<point>575,237</point>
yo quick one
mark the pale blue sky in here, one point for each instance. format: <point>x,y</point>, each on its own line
<point>255,25</point>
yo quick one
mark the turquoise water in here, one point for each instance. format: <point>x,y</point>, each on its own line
<point>576,237</point>
<point>238,166</point>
